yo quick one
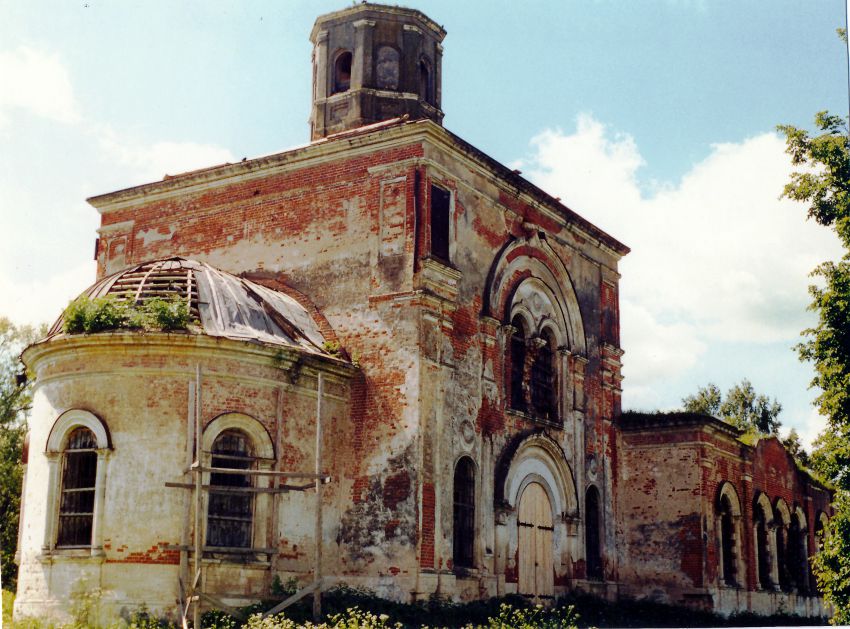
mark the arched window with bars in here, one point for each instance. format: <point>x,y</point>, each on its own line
<point>517,352</point>
<point>463,540</point>
<point>544,378</point>
<point>79,483</point>
<point>230,513</point>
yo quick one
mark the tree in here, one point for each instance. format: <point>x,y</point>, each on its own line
<point>742,407</point>
<point>15,399</point>
<point>825,186</point>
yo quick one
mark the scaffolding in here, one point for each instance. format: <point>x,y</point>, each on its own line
<point>192,598</point>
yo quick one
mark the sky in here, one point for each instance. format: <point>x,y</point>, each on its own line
<point>656,120</point>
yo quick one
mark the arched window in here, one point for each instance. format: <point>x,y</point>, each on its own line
<point>79,483</point>
<point>342,72</point>
<point>517,360</point>
<point>426,91</point>
<point>762,547</point>
<point>464,513</point>
<point>230,513</point>
<point>593,535</point>
<point>387,68</point>
<point>543,372</point>
<point>727,542</point>
<point>782,520</point>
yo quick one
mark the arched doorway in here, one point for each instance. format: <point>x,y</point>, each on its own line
<point>534,538</point>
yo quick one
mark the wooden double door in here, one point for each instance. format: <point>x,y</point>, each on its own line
<point>535,541</point>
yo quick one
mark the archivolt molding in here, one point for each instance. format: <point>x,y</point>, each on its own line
<point>728,490</point>
<point>533,260</point>
<point>73,418</point>
<point>801,519</point>
<point>763,502</point>
<point>237,421</point>
<point>539,459</point>
<point>783,512</point>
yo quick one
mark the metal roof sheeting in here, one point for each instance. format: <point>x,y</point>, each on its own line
<point>226,305</point>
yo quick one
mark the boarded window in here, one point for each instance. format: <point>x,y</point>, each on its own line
<point>464,513</point>
<point>727,542</point>
<point>79,474</point>
<point>593,546</point>
<point>543,386</point>
<point>517,362</point>
<point>342,72</point>
<point>387,68</point>
<point>440,203</point>
<point>231,511</point>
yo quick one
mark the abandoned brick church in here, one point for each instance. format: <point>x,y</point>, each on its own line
<point>400,348</point>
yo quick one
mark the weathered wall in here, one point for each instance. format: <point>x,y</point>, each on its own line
<point>673,469</point>
<point>345,222</point>
<point>138,386</point>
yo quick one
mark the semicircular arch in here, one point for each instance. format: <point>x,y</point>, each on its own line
<point>534,258</point>
<point>76,418</point>
<point>727,490</point>
<point>540,459</point>
<point>252,427</point>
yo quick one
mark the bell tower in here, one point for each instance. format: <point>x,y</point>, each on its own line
<point>373,62</point>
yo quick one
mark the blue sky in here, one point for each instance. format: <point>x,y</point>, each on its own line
<point>654,119</point>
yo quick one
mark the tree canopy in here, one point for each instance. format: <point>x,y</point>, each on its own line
<point>15,400</point>
<point>824,184</point>
<point>742,407</point>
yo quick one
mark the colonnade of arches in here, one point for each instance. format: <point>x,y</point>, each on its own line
<point>779,538</point>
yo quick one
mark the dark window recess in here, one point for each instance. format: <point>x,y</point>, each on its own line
<point>517,359</point>
<point>796,555</point>
<point>425,90</point>
<point>76,505</point>
<point>342,73</point>
<point>593,547</point>
<point>727,540</point>
<point>440,203</point>
<point>543,382</point>
<point>230,515</point>
<point>763,549</point>
<point>782,554</point>
<point>464,513</point>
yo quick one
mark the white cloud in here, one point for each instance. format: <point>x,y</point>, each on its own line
<point>143,162</point>
<point>716,257</point>
<point>38,82</point>
<point>27,301</point>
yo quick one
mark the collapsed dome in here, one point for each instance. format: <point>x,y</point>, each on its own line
<point>223,304</point>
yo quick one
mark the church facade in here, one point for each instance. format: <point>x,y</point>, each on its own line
<point>395,328</point>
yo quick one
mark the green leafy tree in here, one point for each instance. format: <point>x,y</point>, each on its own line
<point>794,446</point>
<point>15,399</point>
<point>824,184</point>
<point>742,407</point>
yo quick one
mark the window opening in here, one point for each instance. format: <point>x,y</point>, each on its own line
<point>342,72</point>
<point>763,549</point>
<point>543,380</point>
<point>79,477</point>
<point>782,552</point>
<point>425,89</point>
<point>727,542</point>
<point>440,204</point>
<point>797,555</point>
<point>387,68</point>
<point>517,358</point>
<point>593,546</point>
<point>464,513</point>
<point>230,514</point>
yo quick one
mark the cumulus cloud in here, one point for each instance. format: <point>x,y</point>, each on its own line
<point>717,256</point>
<point>48,229</point>
<point>142,161</point>
<point>38,82</point>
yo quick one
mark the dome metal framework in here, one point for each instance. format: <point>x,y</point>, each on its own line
<point>224,304</point>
